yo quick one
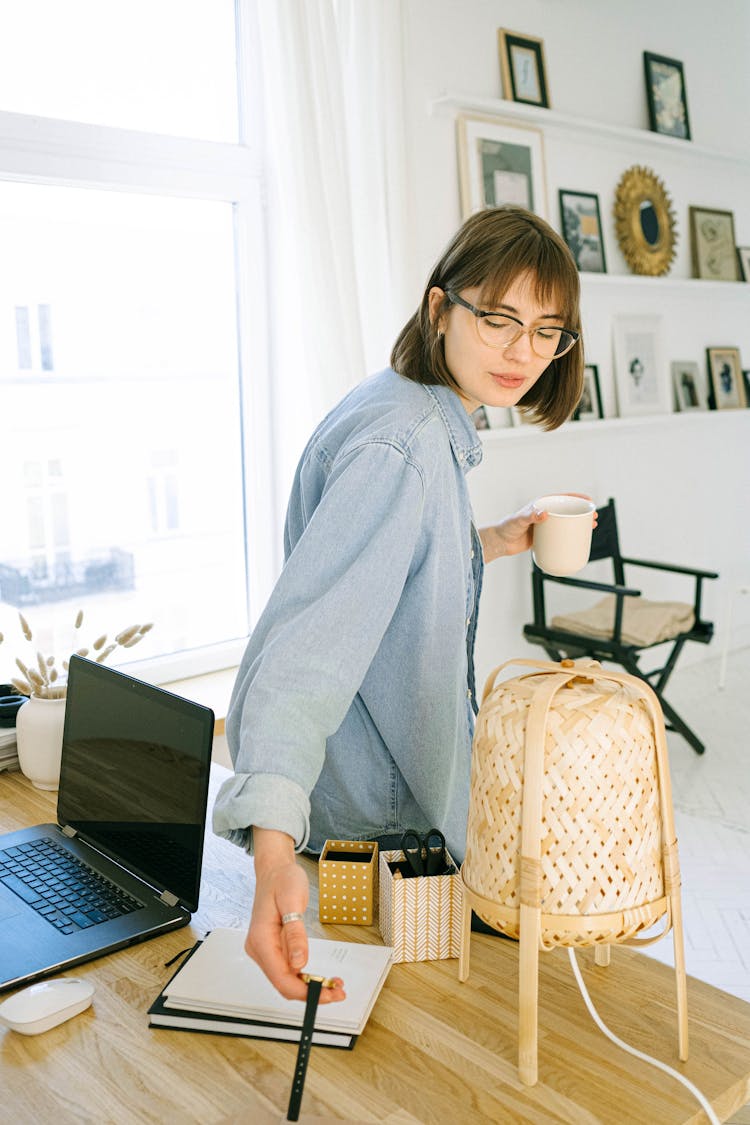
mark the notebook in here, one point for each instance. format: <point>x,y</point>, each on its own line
<point>182,1019</point>
<point>219,979</point>
<point>123,863</point>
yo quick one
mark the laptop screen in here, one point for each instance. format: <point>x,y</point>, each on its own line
<point>134,775</point>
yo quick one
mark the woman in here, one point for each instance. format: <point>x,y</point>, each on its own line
<point>352,714</point>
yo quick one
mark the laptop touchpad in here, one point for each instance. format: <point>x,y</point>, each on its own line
<point>9,907</point>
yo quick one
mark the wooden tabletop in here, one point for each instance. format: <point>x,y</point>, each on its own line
<point>434,1050</point>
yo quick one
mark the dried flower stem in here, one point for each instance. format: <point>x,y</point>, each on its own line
<point>45,681</point>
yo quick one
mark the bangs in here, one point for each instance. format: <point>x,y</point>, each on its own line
<point>554,276</point>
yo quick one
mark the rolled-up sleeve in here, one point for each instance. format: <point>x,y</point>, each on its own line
<point>314,642</point>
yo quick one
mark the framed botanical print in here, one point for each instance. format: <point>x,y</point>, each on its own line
<point>499,162</point>
<point>712,243</point>
<point>582,229</point>
<point>667,100</point>
<point>725,378</point>
<point>523,69</point>
<point>640,377</point>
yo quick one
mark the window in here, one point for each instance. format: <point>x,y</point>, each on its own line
<point>160,66</point>
<point>126,301</point>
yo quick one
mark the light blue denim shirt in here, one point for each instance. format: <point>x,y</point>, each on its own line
<point>352,714</point>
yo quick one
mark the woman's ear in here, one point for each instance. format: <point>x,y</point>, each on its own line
<point>435,299</point>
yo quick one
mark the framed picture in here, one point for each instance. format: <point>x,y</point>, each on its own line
<point>480,419</point>
<point>667,100</point>
<point>746,382</point>
<point>712,243</point>
<point>499,162</point>
<point>582,229</point>
<point>498,417</point>
<point>641,379</point>
<point>725,378</point>
<point>522,67</point>
<point>743,257</point>
<point>590,403</point>
<point>689,392</point>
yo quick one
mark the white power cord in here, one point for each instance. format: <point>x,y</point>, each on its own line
<point>632,1050</point>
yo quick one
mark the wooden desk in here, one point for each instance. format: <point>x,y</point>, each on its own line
<point>434,1050</point>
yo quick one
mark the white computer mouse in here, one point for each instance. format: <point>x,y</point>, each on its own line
<point>46,1004</point>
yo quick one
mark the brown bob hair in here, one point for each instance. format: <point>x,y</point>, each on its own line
<point>490,251</point>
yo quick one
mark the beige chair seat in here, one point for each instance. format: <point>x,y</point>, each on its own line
<point>643,622</point>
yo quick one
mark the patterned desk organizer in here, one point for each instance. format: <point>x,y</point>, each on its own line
<point>570,837</point>
<point>420,916</point>
<point>346,886</point>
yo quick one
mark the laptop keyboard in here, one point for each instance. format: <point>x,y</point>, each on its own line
<point>61,888</point>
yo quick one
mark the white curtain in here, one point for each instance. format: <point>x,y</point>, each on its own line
<point>330,85</point>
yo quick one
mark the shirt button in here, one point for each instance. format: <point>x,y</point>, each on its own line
<point>471,556</point>
<point>468,694</point>
<point>468,622</point>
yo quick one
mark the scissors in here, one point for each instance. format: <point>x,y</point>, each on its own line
<point>425,854</point>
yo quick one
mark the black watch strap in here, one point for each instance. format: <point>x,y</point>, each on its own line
<point>303,1054</point>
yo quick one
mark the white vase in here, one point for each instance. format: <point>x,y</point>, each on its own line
<point>39,735</point>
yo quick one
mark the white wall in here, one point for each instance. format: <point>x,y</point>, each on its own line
<point>681,483</point>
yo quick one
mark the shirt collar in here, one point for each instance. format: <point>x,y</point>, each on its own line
<point>464,439</point>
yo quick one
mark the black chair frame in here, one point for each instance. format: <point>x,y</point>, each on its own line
<point>558,643</point>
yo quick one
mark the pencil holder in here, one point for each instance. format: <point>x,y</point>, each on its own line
<point>570,838</point>
<point>347,871</point>
<point>421,916</point>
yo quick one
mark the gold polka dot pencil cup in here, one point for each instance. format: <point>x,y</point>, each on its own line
<point>347,871</point>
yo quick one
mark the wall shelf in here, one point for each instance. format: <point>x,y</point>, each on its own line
<point>674,421</point>
<point>690,285</point>
<point>563,123</point>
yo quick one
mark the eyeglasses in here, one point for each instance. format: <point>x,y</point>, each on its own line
<point>500,331</point>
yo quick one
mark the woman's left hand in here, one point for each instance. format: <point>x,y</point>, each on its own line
<point>512,535</point>
<point>515,533</point>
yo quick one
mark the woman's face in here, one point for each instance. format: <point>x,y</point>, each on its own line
<point>488,376</point>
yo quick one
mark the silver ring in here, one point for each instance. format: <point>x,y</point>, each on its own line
<point>294,916</point>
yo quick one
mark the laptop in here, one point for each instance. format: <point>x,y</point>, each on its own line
<point>123,863</point>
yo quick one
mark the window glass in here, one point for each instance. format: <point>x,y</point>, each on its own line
<point>162,66</point>
<point>121,447</point>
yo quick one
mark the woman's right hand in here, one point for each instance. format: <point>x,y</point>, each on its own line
<point>281,887</point>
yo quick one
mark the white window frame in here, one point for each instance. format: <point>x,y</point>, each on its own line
<point>42,150</point>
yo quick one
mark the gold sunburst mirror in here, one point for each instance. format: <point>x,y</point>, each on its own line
<point>645,222</point>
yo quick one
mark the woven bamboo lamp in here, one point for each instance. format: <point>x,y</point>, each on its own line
<point>570,838</point>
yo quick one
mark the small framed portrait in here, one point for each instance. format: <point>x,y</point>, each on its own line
<point>582,229</point>
<point>498,417</point>
<point>743,258</point>
<point>712,244</point>
<point>725,378</point>
<point>641,379</point>
<point>522,67</point>
<point>480,419</point>
<point>667,99</point>
<point>689,392</point>
<point>590,403</point>
<point>499,162</point>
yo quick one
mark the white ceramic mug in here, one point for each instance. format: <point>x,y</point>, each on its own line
<point>563,541</point>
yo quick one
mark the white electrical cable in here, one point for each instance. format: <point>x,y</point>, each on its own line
<point>632,1050</point>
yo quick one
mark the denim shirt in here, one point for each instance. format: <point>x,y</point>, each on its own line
<point>353,710</point>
